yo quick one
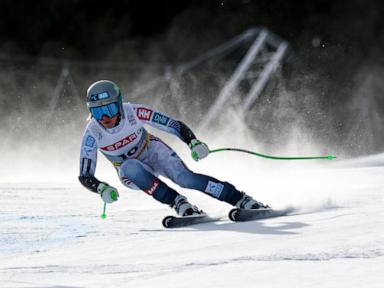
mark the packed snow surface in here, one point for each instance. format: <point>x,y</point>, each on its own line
<point>51,234</point>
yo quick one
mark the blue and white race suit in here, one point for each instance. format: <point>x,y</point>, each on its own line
<point>140,157</point>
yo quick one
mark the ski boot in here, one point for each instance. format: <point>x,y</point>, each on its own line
<point>247,202</point>
<point>184,208</point>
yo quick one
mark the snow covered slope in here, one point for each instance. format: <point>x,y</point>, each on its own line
<point>51,235</point>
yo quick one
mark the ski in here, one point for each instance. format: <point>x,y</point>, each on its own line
<point>176,221</point>
<point>241,215</point>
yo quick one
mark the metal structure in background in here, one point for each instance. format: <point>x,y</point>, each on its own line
<point>266,53</point>
<point>64,79</point>
<point>257,66</point>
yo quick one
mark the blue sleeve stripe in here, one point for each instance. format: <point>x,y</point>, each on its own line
<point>85,166</point>
<point>82,166</point>
<point>175,125</point>
<point>88,166</point>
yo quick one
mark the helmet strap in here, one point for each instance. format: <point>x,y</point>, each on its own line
<point>118,120</point>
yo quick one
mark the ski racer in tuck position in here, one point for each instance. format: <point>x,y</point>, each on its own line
<point>116,130</point>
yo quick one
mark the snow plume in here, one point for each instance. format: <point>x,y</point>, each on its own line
<point>309,186</point>
<point>365,125</point>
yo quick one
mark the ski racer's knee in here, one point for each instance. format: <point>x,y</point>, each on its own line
<point>131,169</point>
<point>128,183</point>
<point>186,179</point>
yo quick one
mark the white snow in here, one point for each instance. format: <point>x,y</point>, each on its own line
<point>51,234</point>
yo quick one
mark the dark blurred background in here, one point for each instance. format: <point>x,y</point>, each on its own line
<point>333,87</point>
<point>90,30</point>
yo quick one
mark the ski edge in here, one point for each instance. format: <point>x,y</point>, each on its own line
<point>234,213</point>
<point>171,221</point>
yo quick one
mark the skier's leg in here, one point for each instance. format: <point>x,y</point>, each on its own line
<point>213,187</point>
<point>134,172</point>
<point>170,165</point>
<point>223,191</point>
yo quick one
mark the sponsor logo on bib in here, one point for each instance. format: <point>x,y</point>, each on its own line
<point>121,143</point>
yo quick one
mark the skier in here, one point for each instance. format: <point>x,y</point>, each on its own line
<point>116,130</point>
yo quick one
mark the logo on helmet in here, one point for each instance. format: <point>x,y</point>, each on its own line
<point>99,96</point>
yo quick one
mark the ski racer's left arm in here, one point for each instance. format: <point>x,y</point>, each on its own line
<point>165,123</point>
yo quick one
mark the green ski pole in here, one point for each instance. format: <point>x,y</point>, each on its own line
<point>329,157</point>
<point>103,216</point>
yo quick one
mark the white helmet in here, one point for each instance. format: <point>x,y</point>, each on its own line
<point>104,98</point>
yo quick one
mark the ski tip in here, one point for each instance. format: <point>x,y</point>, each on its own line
<point>167,220</point>
<point>179,222</point>
<point>232,214</point>
<point>330,157</point>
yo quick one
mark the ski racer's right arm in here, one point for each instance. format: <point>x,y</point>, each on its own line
<point>88,160</point>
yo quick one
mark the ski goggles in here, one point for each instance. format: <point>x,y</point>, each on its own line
<point>109,110</point>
